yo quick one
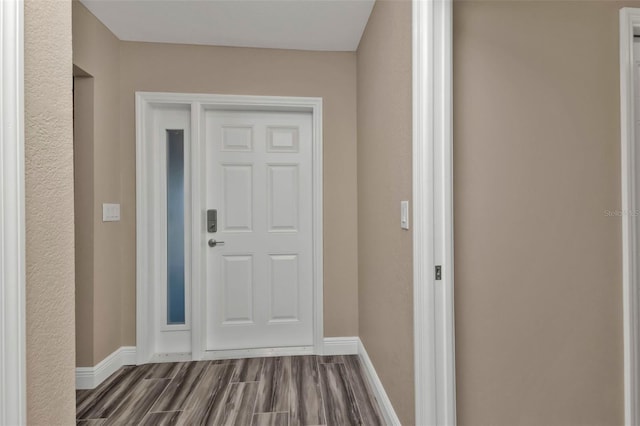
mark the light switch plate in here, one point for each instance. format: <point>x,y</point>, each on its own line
<point>404,214</point>
<point>110,212</point>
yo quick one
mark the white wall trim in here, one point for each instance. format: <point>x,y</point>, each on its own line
<point>91,377</point>
<point>144,102</point>
<point>629,23</point>
<point>433,213</point>
<point>387,411</point>
<point>12,222</point>
<point>341,345</point>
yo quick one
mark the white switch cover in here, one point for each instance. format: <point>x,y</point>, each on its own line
<point>404,214</point>
<point>110,212</point>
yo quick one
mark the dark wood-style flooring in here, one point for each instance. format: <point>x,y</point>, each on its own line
<point>287,391</point>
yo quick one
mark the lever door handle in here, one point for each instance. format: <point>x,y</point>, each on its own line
<point>213,243</point>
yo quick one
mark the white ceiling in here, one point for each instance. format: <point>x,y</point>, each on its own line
<point>281,24</point>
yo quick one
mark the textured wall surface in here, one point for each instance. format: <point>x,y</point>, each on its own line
<point>97,51</point>
<point>49,213</point>
<point>202,69</point>
<point>536,164</point>
<point>385,291</point>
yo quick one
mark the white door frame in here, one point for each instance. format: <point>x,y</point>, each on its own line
<point>144,238</point>
<point>433,213</point>
<point>12,223</point>
<point>629,24</point>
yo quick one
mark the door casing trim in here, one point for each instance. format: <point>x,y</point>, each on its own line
<point>629,23</point>
<point>13,359</point>
<point>198,102</point>
<point>434,340</point>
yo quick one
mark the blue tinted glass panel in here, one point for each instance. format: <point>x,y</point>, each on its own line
<point>175,227</point>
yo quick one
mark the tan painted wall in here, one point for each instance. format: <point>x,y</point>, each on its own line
<point>83,212</point>
<point>96,50</point>
<point>202,69</point>
<point>536,164</point>
<point>49,213</point>
<point>385,293</point>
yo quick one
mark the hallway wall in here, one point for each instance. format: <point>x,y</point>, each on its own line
<point>49,240</point>
<point>538,285</point>
<point>385,289</point>
<point>83,162</point>
<point>97,52</point>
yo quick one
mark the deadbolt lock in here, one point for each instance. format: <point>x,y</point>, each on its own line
<point>212,220</point>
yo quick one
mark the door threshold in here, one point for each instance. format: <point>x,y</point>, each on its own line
<point>171,357</point>
<point>235,353</point>
<point>259,352</point>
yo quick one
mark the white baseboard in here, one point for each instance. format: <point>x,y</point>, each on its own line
<point>389,414</point>
<point>91,377</point>
<point>340,346</point>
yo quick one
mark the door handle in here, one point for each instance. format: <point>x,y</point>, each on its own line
<point>213,243</point>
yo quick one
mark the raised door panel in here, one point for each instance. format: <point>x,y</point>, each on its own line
<point>237,284</point>
<point>237,138</point>
<point>237,189</point>
<point>284,282</point>
<point>283,139</point>
<point>283,198</point>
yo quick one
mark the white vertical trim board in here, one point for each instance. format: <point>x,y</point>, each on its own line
<point>91,377</point>
<point>316,105</point>
<point>143,259</point>
<point>629,24</point>
<point>387,411</point>
<point>198,265</point>
<point>433,213</point>
<point>12,224</point>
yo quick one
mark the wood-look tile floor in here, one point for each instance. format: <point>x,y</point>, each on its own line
<point>281,391</point>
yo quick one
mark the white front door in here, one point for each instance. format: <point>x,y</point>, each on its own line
<point>259,277</point>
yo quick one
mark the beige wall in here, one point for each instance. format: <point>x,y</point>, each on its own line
<point>385,292</point>
<point>203,69</point>
<point>536,164</point>
<point>97,51</point>
<point>49,212</point>
<point>83,211</point>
